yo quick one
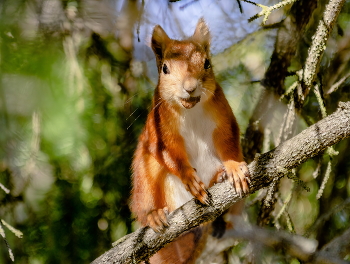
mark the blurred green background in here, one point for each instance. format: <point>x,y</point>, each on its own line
<point>73,101</point>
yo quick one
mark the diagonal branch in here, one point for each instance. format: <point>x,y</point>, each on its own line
<point>144,242</point>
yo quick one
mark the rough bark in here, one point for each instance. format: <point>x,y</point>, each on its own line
<point>318,46</point>
<point>286,44</point>
<point>144,242</point>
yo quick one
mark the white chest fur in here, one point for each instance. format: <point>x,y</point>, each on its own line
<point>196,128</point>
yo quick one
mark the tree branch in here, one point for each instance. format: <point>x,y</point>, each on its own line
<point>294,245</point>
<point>144,242</point>
<point>318,46</point>
<point>286,44</point>
<point>304,249</point>
<point>339,247</point>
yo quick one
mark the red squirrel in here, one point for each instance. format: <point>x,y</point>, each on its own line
<point>190,141</point>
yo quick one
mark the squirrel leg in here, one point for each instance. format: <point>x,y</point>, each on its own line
<point>148,201</point>
<point>195,186</point>
<point>225,221</point>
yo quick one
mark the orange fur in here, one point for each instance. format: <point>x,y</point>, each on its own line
<point>190,126</point>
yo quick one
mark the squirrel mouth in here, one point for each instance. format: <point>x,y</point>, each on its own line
<point>190,102</point>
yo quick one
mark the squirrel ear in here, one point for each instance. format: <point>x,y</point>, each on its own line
<point>202,34</point>
<point>159,41</point>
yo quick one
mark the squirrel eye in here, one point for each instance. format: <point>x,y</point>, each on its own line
<point>207,64</point>
<point>165,69</point>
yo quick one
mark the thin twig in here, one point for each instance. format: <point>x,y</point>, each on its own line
<point>284,204</point>
<point>2,233</point>
<point>325,180</point>
<point>4,188</point>
<point>331,150</point>
<point>323,218</point>
<point>17,232</point>
<point>320,101</point>
<point>337,84</point>
<point>266,10</point>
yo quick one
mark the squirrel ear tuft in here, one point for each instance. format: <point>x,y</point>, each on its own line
<point>159,41</point>
<point>202,34</point>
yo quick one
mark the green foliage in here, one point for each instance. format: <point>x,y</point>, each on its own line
<point>67,142</point>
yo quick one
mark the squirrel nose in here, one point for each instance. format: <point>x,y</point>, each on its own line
<point>190,89</point>
<point>190,85</point>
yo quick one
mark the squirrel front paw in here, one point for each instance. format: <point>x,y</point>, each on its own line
<point>158,219</point>
<point>196,187</point>
<point>238,174</point>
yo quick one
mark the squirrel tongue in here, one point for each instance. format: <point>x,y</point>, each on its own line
<point>190,102</point>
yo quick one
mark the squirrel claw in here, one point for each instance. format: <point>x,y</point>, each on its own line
<point>158,219</point>
<point>196,187</point>
<point>207,201</point>
<point>237,174</point>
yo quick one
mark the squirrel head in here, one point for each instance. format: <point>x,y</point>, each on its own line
<point>185,73</point>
